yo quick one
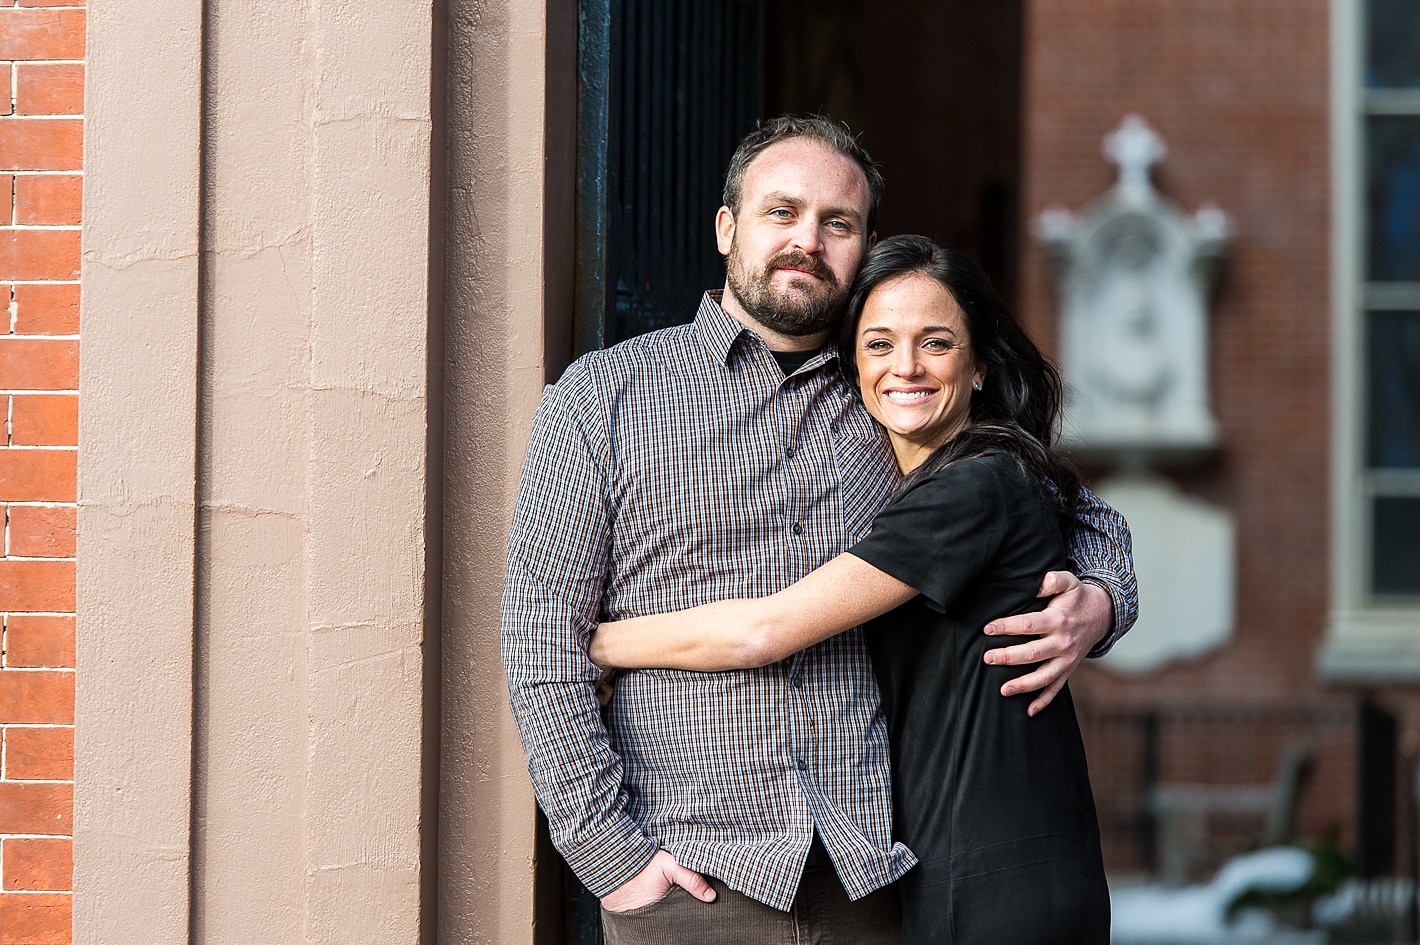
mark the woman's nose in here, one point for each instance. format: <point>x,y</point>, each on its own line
<point>908,364</point>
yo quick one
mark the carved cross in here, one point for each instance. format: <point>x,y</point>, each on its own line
<point>1135,148</point>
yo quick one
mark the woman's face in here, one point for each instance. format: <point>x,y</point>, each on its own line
<point>915,366</point>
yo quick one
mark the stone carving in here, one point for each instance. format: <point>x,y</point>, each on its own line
<point>1134,276</point>
<point>1134,279</point>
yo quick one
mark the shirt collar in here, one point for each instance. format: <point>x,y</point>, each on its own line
<point>719,330</point>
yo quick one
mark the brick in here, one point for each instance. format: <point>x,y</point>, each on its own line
<point>39,364</point>
<point>37,585</point>
<point>32,255</point>
<point>5,106</point>
<point>43,3</point>
<point>49,88</point>
<point>47,309</point>
<point>42,531</point>
<point>43,808</point>
<point>36,918</point>
<point>44,420</point>
<point>38,475</point>
<point>37,696</point>
<point>41,144</point>
<point>41,34</point>
<point>32,640</point>
<point>7,189</point>
<point>48,199</point>
<point>38,865</point>
<point>39,754</point>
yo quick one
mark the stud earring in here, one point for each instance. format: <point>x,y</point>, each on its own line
<point>976,385</point>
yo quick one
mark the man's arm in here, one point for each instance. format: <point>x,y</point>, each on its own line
<point>558,558</point>
<point>1086,616</point>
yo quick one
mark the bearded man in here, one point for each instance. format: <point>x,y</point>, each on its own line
<point>728,458</point>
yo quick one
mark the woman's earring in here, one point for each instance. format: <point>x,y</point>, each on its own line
<point>976,385</point>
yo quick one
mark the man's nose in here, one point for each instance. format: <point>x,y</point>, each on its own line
<point>807,237</point>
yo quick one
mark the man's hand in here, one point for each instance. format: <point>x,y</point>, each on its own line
<point>1079,616</point>
<point>653,882</point>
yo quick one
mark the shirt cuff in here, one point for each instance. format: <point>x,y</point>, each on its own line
<point>1125,609</point>
<point>606,861</point>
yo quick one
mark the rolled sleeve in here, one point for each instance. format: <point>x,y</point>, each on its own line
<point>1102,553</point>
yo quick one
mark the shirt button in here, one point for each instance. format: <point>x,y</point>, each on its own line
<point>789,453</point>
<point>801,764</point>
<point>797,529</point>
<point>796,681</point>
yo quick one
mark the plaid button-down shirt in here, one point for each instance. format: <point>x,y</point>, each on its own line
<point>674,469</point>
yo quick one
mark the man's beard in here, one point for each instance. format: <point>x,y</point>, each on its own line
<point>806,313</point>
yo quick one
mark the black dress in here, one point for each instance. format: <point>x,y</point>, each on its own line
<point>996,805</point>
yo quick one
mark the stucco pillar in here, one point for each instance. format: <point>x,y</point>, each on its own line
<point>509,274</point>
<point>137,485</point>
<point>254,571</point>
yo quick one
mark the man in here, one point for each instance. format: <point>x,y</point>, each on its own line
<point>727,458</point>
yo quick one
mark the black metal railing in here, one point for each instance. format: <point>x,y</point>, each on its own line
<point>1215,762</point>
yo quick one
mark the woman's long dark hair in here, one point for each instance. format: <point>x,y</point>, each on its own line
<point>1017,411</point>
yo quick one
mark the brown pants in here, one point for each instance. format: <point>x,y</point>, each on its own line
<point>822,915</point>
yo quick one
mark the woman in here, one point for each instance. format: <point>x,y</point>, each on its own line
<point>996,804</point>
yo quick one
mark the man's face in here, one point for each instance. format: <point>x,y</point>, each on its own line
<point>798,240</point>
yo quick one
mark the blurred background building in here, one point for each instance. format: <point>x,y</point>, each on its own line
<point>330,254</point>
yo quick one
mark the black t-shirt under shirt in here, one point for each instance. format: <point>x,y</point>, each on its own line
<point>996,805</point>
<point>791,361</point>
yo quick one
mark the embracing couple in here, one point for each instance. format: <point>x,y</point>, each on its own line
<point>819,531</point>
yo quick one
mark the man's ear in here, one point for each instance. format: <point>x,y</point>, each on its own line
<point>724,230</point>
<point>872,239</point>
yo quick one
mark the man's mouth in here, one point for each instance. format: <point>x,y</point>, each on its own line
<point>807,265</point>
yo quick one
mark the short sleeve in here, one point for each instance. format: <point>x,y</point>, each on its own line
<point>943,531</point>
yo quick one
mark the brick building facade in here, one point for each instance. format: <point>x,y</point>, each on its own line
<point>41,121</point>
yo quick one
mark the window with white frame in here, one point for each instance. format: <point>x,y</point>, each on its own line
<point>1376,621</point>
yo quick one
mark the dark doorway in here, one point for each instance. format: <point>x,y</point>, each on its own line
<point>666,89</point>
<point>934,89</point>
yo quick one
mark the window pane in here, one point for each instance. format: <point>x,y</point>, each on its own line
<point>1393,198</point>
<point>1395,546</point>
<point>1393,395</point>
<point>1392,44</point>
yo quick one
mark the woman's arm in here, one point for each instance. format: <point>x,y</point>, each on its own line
<point>739,634</point>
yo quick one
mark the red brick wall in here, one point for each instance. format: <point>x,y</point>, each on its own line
<point>41,128</point>
<point>1239,91</point>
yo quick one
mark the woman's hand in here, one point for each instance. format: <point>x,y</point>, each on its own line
<point>1078,617</point>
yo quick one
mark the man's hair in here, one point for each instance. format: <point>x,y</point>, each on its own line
<point>832,134</point>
